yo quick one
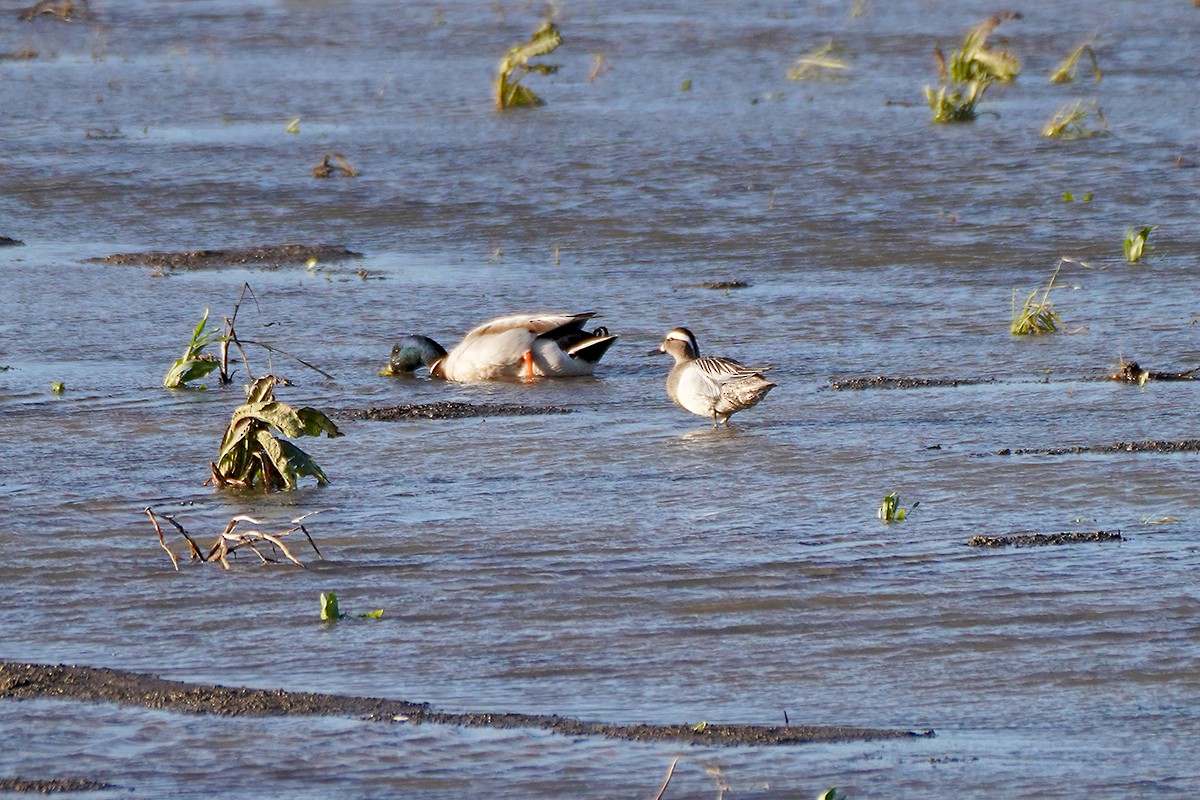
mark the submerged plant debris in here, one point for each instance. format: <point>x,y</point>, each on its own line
<point>266,255</point>
<point>447,409</point>
<point>955,103</point>
<point>1065,72</point>
<point>1132,372</point>
<point>61,682</point>
<point>266,546</point>
<point>1071,122</point>
<point>1041,539</point>
<point>827,61</point>
<point>726,285</point>
<point>515,66</point>
<point>334,163</point>
<point>65,10</point>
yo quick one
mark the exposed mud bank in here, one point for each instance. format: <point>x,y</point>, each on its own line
<point>90,684</point>
<point>1152,446</point>
<point>1041,539</point>
<point>447,409</point>
<point>884,382</point>
<point>273,255</point>
<point>52,785</point>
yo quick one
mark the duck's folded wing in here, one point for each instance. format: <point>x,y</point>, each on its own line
<point>726,369</point>
<point>537,324</point>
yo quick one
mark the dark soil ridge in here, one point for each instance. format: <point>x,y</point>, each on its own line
<point>447,409</point>
<point>1152,446</point>
<point>271,255</point>
<point>97,685</point>
<point>52,785</point>
<point>1042,539</point>
<point>8,241</point>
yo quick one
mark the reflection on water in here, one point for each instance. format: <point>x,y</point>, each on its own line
<point>625,561</point>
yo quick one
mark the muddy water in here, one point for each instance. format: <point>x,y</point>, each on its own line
<point>623,562</point>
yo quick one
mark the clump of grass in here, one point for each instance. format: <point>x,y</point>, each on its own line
<point>955,104</point>
<point>1037,314</point>
<point>827,61</point>
<point>890,511</point>
<point>1136,243</point>
<point>975,61</point>
<point>515,66</point>
<point>1070,122</point>
<point>1065,72</point>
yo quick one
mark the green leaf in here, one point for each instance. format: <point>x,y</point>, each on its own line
<point>329,607</point>
<point>58,387</point>
<point>194,364</point>
<point>376,614</point>
<point>1068,197</point>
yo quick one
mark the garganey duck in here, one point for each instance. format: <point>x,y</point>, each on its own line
<point>711,386</point>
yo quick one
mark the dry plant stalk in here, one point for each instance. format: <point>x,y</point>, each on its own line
<point>229,541</point>
<point>334,162</point>
<point>1069,122</point>
<point>827,61</point>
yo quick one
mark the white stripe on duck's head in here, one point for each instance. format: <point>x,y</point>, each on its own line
<point>680,343</point>
<point>411,352</point>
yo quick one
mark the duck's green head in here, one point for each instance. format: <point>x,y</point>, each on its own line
<point>412,352</point>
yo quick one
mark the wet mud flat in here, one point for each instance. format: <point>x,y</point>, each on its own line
<point>266,255</point>
<point>20,681</point>
<point>446,409</point>
<point>1149,446</point>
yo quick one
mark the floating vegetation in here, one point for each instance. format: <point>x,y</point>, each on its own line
<point>515,66</point>
<point>1042,539</point>
<point>293,126</point>
<point>1135,243</point>
<point>825,62</point>
<point>65,10</point>
<point>955,103</point>
<point>252,457</point>
<point>891,511</point>
<point>975,61</point>
<point>1068,197</point>
<point>194,364</point>
<point>1036,315</point>
<point>1065,72</point>
<point>1069,122</point>
<point>264,545</point>
<point>330,612</point>
<point>58,387</point>
<point>334,163</point>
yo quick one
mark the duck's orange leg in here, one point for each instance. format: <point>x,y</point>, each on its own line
<point>527,360</point>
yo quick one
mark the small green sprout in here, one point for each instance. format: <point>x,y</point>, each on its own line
<point>831,794</point>
<point>194,364</point>
<point>1135,243</point>
<point>58,387</point>
<point>827,61</point>
<point>1070,198</point>
<point>515,66</point>
<point>1069,122</point>
<point>329,607</point>
<point>700,727</point>
<point>1065,72</point>
<point>891,511</point>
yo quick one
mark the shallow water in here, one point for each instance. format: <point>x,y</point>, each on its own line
<point>623,562</point>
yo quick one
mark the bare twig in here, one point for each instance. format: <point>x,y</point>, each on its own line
<point>161,541</point>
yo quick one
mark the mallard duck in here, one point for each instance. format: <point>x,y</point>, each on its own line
<point>710,386</point>
<point>516,347</point>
